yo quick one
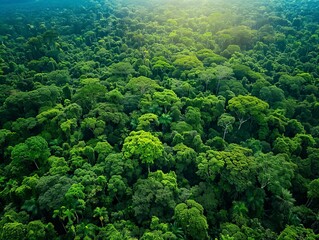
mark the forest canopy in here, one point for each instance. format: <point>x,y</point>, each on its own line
<point>159,119</point>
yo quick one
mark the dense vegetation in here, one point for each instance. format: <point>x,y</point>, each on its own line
<point>160,120</point>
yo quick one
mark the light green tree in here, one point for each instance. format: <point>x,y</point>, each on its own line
<point>248,107</point>
<point>144,146</point>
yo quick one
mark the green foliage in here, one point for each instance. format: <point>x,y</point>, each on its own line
<point>207,56</point>
<point>241,71</point>
<point>101,213</point>
<point>34,151</point>
<point>58,77</point>
<point>103,149</point>
<point>291,84</point>
<point>14,230</point>
<point>122,69</point>
<point>142,85</point>
<point>159,120</point>
<point>248,107</point>
<point>234,168</point>
<point>187,62</point>
<point>146,121</point>
<point>295,232</point>
<point>37,230</point>
<point>28,104</point>
<point>51,191</point>
<point>166,99</point>
<point>239,35</point>
<point>190,216</point>
<point>58,165</point>
<point>161,193</point>
<point>313,189</point>
<point>226,121</point>
<point>27,188</point>
<point>88,95</point>
<point>275,172</point>
<point>4,135</point>
<point>144,146</point>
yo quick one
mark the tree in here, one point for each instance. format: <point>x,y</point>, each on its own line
<point>89,94</point>
<point>114,96</point>
<point>51,191</point>
<point>28,187</point>
<point>291,85</point>
<point>13,231</point>
<point>64,214</point>
<point>187,62</point>
<point>193,117</point>
<point>37,230</point>
<point>123,230</point>
<point>103,149</point>
<point>85,231</point>
<point>117,164</point>
<point>4,138</point>
<point>74,199</point>
<point>166,99</point>
<point>82,68</point>
<point>313,191</point>
<point>142,85</point>
<point>155,196</point>
<point>297,232</point>
<point>122,69</point>
<point>114,117</point>
<point>161,66</point>
<point>102,214</point>
<point>34,150</point>
<point>285,145</point>
<point>211,107</point>
<point>143,146</point>
<point>165,120</point>
<point>147,122</point>
<point>230,50</point>
<point>222,73</point>
<point>185,159</point>
<point>115,120</point>
<point>275,172</point>
<point>24,126</point>
<point>31,206</point>
<point>232,231</point>
<point>226,121</point>
<point>283,204</point>
<point>272,94</point>
<point>93,125</point>
<point>241,35</point>
<point>190,216</point>
<point>248,107</point>
<point>44,64</point>
<point>235,168</point>
<point>118,188</point>
<point>58,165</point>
<point>28,104</point>
<point>239,213</point>
<point>241,71</point>
<point>59,77</point>
<point>207,77</point>
<point>209,57</point>
<point>161,230</point>
<point>209,197</point>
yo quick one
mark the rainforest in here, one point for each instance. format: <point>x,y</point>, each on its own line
<point>159,120</point>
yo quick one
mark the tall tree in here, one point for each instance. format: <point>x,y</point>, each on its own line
<point>190,216</point>
<point>248,107</point>
<point>143,146</point>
